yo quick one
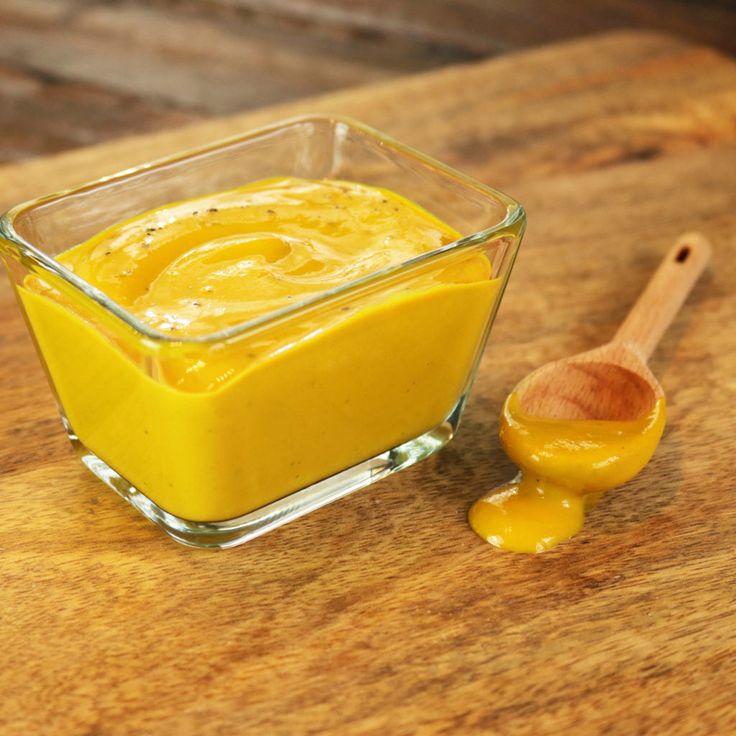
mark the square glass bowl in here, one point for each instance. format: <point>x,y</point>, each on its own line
<point>300,406</point>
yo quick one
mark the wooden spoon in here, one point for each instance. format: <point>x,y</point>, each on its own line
<point>613,382</point>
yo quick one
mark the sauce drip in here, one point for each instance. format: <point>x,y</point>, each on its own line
<point>564,467</point>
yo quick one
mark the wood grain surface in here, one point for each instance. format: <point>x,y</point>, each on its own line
<point>384,613</point>
<point>77,72</point>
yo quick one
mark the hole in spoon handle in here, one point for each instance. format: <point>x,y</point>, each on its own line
<point>665,293</point>
<point>683,254</point>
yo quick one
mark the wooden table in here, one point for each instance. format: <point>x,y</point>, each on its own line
<point>383,613</point>
<point>78,72</point>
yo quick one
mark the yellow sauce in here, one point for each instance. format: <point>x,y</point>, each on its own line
<point>195,267</point>
<point>213,430</point>
<point>565,466</point>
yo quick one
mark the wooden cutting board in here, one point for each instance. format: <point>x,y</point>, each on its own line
<point>383,613</point>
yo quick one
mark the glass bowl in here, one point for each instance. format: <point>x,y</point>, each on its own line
<point>298,410</point>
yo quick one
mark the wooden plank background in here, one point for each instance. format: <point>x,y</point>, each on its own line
<point>76,72</point>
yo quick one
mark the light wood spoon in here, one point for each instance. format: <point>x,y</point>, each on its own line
<point>613,382</point>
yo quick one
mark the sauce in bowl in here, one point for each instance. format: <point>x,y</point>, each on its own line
<point>211,430</point>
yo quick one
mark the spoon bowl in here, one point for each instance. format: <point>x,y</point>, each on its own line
<point>609,383</point>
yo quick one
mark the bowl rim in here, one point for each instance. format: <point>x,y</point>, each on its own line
<point>514,219</point>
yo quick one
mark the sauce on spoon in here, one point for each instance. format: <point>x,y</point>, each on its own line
<point>565,465</point>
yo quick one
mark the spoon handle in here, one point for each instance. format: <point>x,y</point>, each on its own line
<point>665,293</point>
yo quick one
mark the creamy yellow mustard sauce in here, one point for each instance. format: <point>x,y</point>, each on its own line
<point>564,467</point>
<point>211,431</point>
<point>196,267</point>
